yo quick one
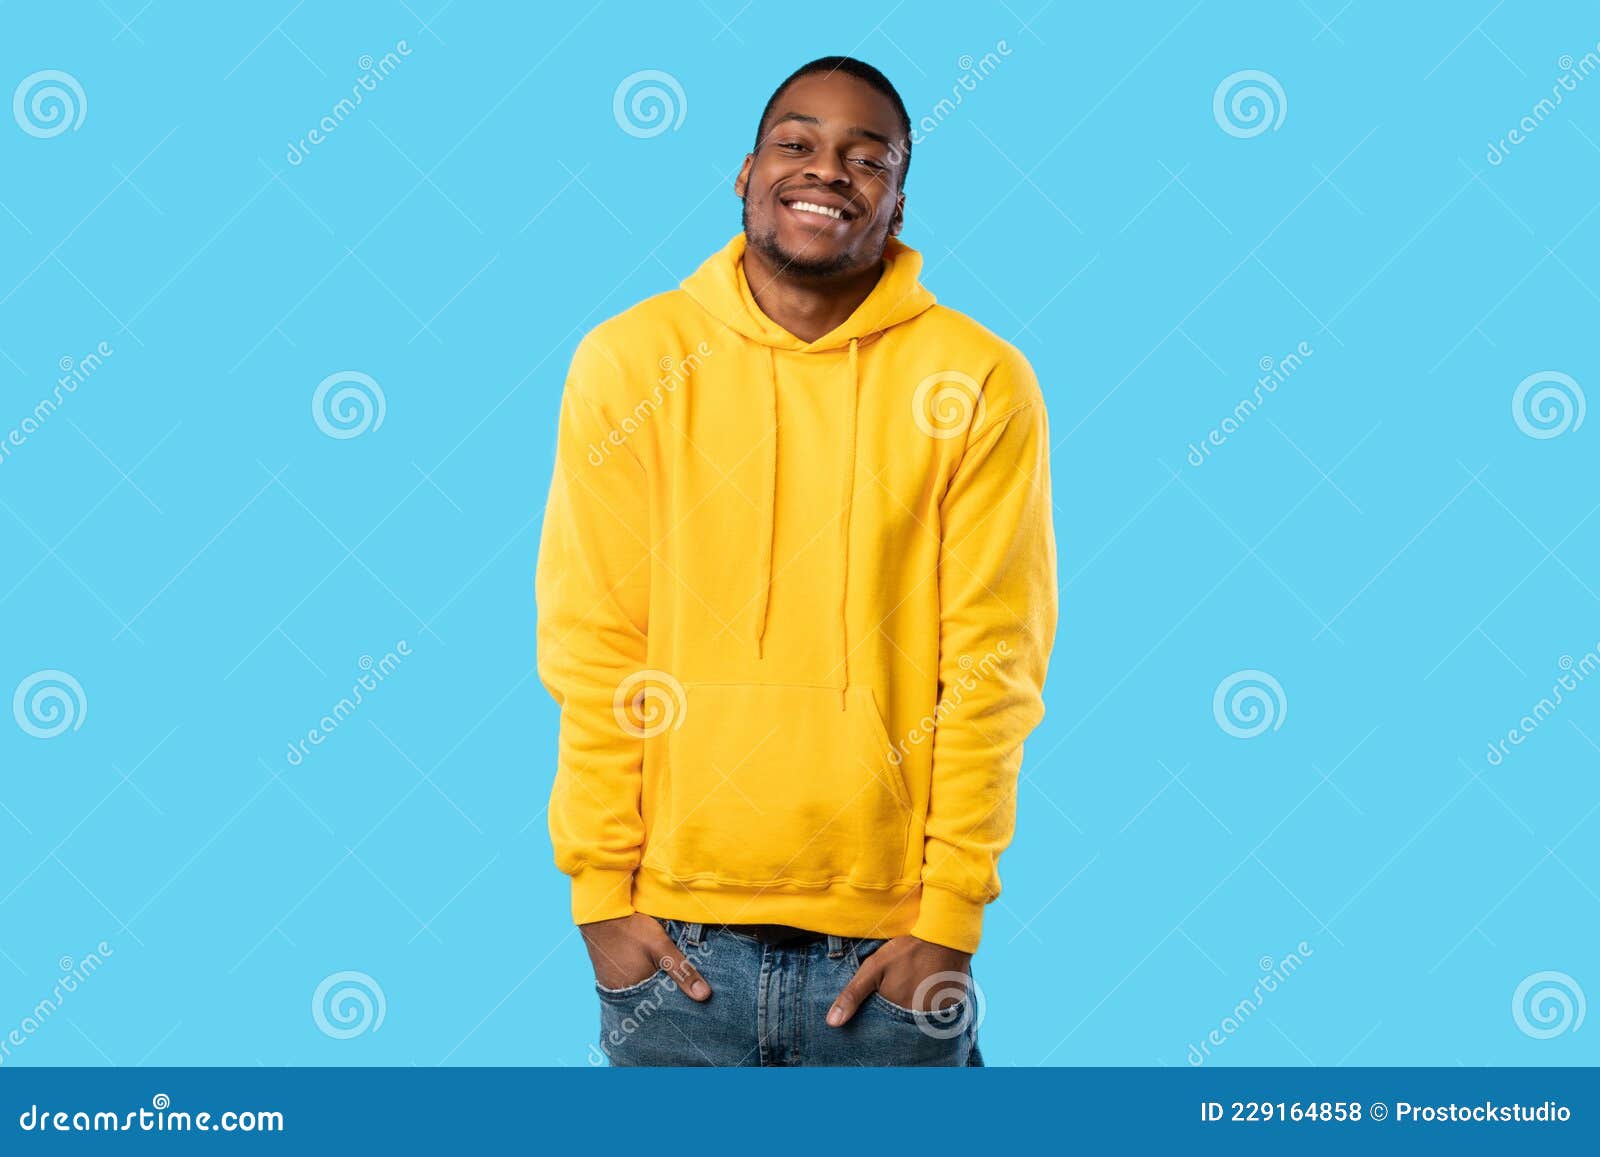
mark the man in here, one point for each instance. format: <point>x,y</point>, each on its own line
<point>797,594</point>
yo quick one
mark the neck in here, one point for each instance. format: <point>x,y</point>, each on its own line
<point>807,307</point>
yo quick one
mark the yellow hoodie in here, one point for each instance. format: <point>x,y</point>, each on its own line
<point>796,601</point>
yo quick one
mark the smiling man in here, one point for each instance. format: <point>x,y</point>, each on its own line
<point>797,616</point>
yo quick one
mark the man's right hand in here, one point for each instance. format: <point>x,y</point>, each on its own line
<point>628,951</point>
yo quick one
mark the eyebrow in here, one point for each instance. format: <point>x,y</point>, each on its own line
<point>855,130</point>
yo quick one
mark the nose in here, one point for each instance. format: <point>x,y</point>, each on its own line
<point>827,169</point>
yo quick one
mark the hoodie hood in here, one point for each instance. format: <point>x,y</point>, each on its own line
<point>720,288</point>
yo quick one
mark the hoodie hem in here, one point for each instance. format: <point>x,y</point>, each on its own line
<point>838,909</point>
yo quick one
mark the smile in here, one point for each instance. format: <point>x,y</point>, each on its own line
<point>816,210</point>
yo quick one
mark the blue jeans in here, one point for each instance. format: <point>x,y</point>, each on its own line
<point>769,1006</point>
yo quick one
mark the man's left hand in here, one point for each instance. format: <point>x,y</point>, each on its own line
<point>900,970</point>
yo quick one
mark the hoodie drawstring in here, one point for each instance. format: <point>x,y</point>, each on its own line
<point>844,543</point>
<point>769,496</point>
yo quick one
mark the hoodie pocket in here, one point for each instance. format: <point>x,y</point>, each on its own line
<point>775,783</point>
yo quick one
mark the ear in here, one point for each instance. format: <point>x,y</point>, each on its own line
<point>742,181</point>
<point>897,222</point>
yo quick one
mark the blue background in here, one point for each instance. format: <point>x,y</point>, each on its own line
<point>1381,536</point>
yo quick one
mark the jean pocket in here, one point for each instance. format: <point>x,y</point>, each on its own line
<point>945,1020</point>
<point>955,1016</point>
<point>675,932</point>
<point>658,977</point>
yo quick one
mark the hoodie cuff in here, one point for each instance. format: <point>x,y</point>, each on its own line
<point>601,894</point>
<point>948,919</point>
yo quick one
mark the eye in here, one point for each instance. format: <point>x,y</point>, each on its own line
<point>870,162</point>
<point>796,145</point>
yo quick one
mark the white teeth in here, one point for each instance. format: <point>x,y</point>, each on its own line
<point>809,207</point>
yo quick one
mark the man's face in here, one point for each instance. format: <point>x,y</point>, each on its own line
<point>822,190</point>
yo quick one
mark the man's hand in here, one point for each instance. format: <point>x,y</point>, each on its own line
<point>900,970</point>
<point>628,950</point>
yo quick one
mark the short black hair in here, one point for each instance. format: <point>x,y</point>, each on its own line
<point>862,71</point>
